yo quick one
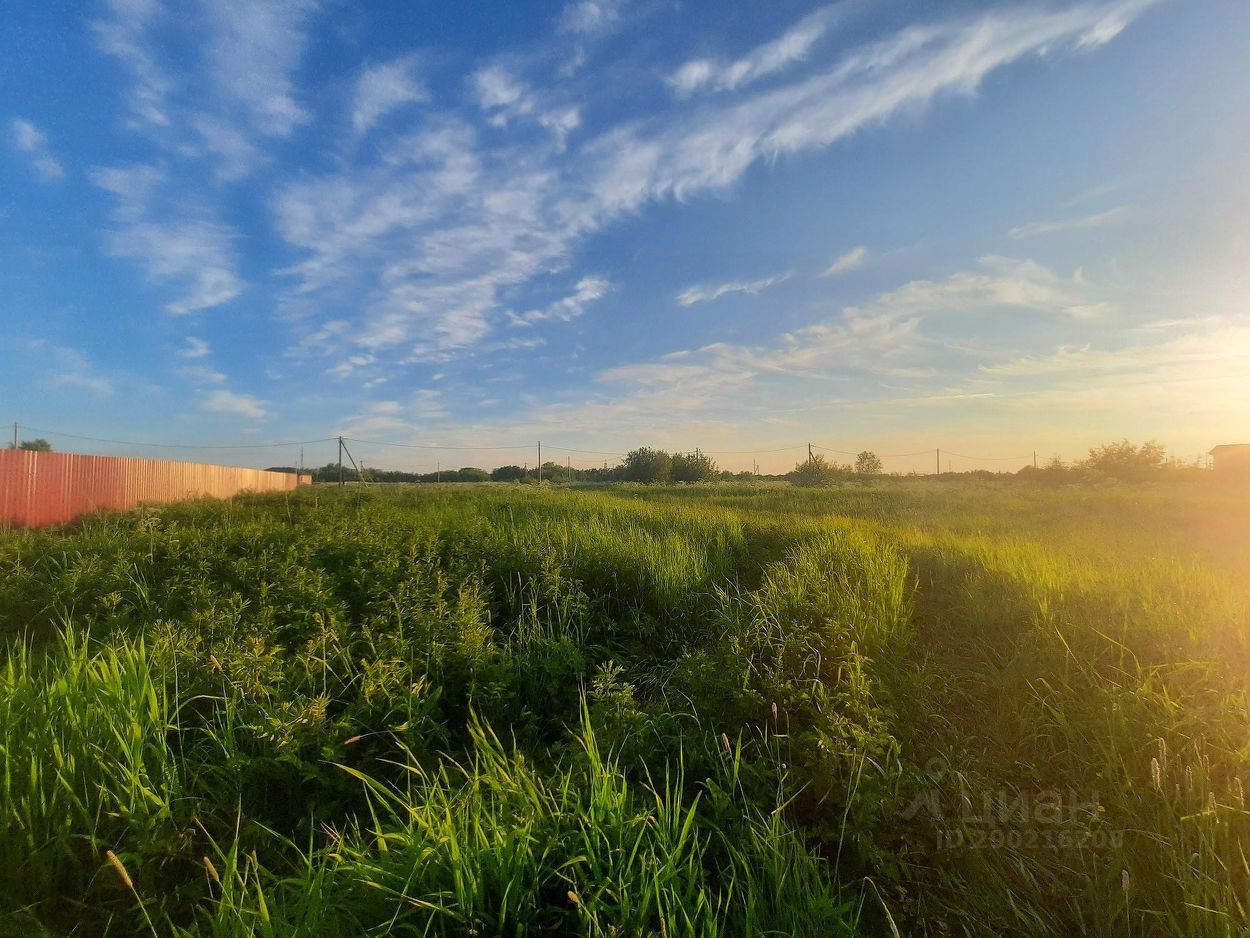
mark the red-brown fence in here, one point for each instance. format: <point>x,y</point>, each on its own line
<point>51,488</point>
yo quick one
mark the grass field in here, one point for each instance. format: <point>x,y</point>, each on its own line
<point>906,708</point>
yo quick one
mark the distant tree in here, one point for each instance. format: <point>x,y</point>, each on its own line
<point>693,467</point>
<point>507,474</point>
<point>330,473</point>
<point>816,471</point>
<point>1125,461</point>
<point>1055,471</point>
<point>34,446</point>
<point>470,474</point>
<point>868,463</point>
<point>648,465</point>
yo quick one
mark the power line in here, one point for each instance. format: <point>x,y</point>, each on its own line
<point>752,452</point>
<point>584,452</point>
<point>988,458</point>
<point>97,439</point>
<point>432,446</point>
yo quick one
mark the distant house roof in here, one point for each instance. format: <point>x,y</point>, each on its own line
<point>1224,447</point>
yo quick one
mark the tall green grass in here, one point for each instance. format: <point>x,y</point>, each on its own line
<point>712,710</point>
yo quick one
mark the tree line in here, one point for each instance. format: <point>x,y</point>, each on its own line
<point>1120,460</point>
<point>645,464</point>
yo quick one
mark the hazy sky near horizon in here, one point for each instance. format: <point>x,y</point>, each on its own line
<point>992,228</point>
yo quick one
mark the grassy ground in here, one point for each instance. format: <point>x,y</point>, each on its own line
<point>907,708</point>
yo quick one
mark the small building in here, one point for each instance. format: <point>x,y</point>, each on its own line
<point>1231,459</point>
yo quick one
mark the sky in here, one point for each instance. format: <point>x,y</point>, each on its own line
<point>994,229</point>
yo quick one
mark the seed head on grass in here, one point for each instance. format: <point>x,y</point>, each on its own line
<point>116,863</point>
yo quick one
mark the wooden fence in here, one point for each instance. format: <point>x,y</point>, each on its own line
<point>38,489</point>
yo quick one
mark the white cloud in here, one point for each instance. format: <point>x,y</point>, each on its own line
<point>32,141</point>
<point>195,348</point>
<point>762,61</point>
<point>1097,220</point>
<point>715,146</point>
<point>239,405</point>
<point>195,254</point>
<point>591,17</point>
<point>851,260</point>
<point>235,155</point>
<point>253,50</point>
<point>870,345</point>
<point>382,88</point>
<point>1004,283</point>
<point>64,367</point>
<point>505,97</point>
<point>570,307</point>
<point>124,35</point>
<point>200,374</point>
<point>428,239</point>
<point>705,294</point>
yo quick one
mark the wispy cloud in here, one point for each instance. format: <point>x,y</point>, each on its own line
<point>126,34</point>
<point>240,405</point>
<point>29,139</point>
<point>702,293</point>
<point>382,88</point>
<point>195,348</point>
<point>202,374</point>
<point>195,254</point>
<point>431,239</point>
<point>1097,220</point>
<point>847,262</point>
<point>505,97</point>
<point>570,307</point>
<point>62,367</point>
<point>591,17</point>
<point>253,51</point>
<point>1002,284</point>
<point>762,61</point>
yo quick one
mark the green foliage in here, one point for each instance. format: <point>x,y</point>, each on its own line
<point>868,463</point>
<point>1125,461</point>
<point>648,465</point>
<point>507,474</point>
<point>693,467</point>
<point>654,709</point>
<point>817,471</point>
<point>35,446</point>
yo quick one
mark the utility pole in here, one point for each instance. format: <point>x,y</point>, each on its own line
<point>438,470</point>
<point>809,452</point>
<point>1034,459</point>
<point>939,461</point>
<point>540,460</point>
<point>301,460</point>
<point>340,462</point>
<point>15,434</point>
<point>568,468</point>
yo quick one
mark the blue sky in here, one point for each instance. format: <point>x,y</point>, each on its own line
<point>993,228</point>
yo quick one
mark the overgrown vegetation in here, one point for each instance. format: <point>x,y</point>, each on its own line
<point>716,710</point>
